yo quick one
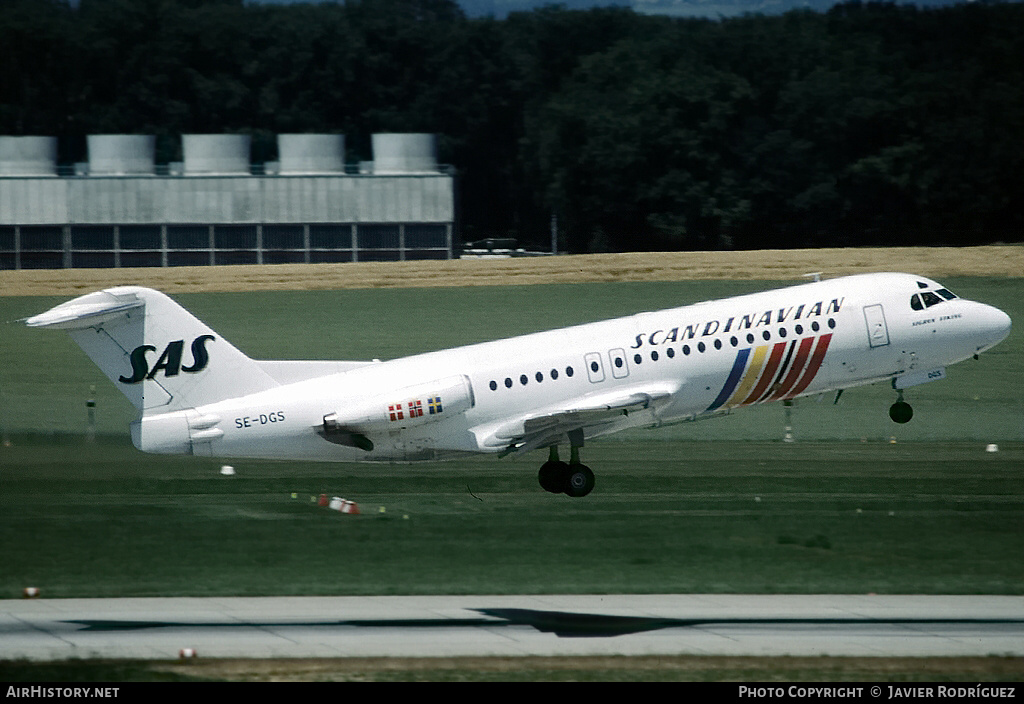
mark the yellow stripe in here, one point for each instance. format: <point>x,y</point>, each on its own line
<point>750,378</point>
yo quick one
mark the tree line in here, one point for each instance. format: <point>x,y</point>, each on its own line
<point>869,124</point>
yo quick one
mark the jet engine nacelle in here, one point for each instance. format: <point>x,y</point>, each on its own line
<point>401,408</point>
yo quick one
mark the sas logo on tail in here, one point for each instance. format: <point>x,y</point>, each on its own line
<point>169,361</point>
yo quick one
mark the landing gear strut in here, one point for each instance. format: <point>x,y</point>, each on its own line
<point>900,412</point>
<point>573,479</point>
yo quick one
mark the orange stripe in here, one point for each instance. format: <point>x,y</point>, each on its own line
<point>794,371</point>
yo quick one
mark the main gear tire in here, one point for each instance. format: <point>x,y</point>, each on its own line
<point>580,480</point>
<point>553,476</point>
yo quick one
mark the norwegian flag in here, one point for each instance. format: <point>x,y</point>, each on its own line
<point>415,408</point>
<point>395,411</point>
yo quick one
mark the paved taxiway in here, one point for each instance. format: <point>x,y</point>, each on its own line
<point>315,627</point>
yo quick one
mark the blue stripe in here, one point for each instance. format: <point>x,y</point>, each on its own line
<point>733,380</point>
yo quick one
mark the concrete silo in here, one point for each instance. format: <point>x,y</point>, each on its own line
<point>311,154</point>
<point>28,156</point>
<point>121,154</point>
<point>404,153</point>
<point>215,154</point>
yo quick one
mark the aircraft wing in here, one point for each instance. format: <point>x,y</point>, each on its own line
<point>590,414</point>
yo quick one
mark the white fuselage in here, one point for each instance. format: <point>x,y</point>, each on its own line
<point>699,359</point>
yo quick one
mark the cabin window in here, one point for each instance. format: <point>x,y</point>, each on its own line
<point>670,352</point>
<point>832,323</point>
<point>568,371</point>
<point>718,344</point>
<point>554,373</point>
<point>750,338</point>
<point>539,377</point>
<point>508,382</point>
<point>686,349</point>
<point>782,332</point>
<point>701,347</point>
<point>733,341</point>
<point>799,329</point>
<point>654,355</point>
<point>494,385</point>
<point>766,335</point>
<point>523,379</point>
<point>637,358</point>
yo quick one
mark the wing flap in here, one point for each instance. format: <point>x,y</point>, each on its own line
<point>590,413</point>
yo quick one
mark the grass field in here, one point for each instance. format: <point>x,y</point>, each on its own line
<point>857,504</point>
<point>667,517</point>
<point>768,264</point>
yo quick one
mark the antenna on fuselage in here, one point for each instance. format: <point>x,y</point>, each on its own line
<point>814,276</point>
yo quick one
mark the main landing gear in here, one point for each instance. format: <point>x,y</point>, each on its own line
<point>573,478</point>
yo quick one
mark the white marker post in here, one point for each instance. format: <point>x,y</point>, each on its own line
<point>90,411</point>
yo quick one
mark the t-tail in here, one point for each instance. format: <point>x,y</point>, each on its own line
<point>159,355</point>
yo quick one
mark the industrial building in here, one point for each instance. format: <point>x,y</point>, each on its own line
<point>121,209</point>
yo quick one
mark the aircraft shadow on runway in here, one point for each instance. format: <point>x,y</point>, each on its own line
<point>561,623</point>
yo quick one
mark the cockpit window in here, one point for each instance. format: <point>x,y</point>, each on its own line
<point>927,299</point>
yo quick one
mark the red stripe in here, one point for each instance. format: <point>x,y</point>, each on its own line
<point>768,374</point>
<point>794,371</point>
<point>812,368</point>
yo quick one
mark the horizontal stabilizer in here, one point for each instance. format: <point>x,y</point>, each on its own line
<point>88,311</point>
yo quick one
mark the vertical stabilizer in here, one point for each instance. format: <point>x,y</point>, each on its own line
<point>158,354</point>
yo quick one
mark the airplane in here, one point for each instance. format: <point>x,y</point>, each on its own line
<point>197,394</point>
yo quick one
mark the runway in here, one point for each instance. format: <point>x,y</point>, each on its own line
<point>557,625</point>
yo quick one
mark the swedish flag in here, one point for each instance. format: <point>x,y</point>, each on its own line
<point>434,405</point>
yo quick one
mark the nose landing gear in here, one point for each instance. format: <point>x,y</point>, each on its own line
<point>901,412</point>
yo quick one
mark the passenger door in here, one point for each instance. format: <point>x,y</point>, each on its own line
<point>878,331</point>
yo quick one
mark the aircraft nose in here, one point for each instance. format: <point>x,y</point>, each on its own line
<point>994,324</point>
